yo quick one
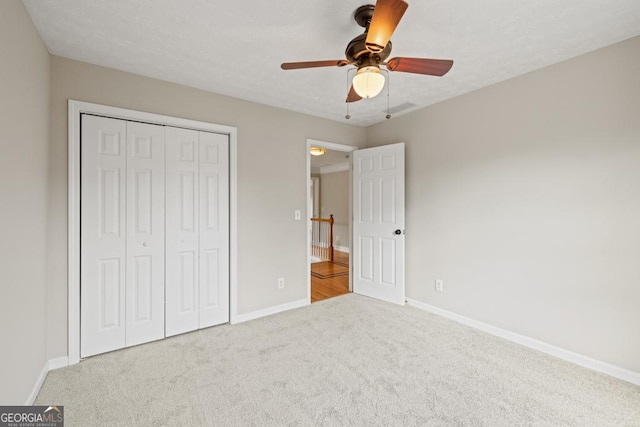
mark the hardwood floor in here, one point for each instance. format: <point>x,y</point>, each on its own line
<point>328,279</point>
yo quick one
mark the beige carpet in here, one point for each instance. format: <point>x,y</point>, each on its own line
<point>349,360</point>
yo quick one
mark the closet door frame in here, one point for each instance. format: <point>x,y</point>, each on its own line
<point>75,109</point>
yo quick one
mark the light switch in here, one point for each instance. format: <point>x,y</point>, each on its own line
<point>296,214</point>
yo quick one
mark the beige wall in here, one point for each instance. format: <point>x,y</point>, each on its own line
<point>334,199</point>
<point>24,120</point>
<point>271,178</point>
<point>524,197</point>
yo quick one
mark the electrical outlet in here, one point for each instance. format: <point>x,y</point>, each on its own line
<point>439,285</point>
<point>280,282</point>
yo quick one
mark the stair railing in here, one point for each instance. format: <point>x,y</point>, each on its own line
<point>322,238</point>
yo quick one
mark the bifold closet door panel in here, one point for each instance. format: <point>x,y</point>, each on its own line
<point>214,229</point>
<point>103,235</point>
<point>182,230</point>
<point>197,230</point>
<point>122,234</point>
<point>145,233</point>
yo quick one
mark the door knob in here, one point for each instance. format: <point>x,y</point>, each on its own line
<point>145,244</point>
<point>397,232</point>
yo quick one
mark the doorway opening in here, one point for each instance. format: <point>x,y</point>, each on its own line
<point>329,208</point>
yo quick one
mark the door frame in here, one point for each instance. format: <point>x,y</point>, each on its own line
<point>75,109</point>
<point>336,147</point>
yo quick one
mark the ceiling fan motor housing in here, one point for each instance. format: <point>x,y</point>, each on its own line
<point>357,50</point>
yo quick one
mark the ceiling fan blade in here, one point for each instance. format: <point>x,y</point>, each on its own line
<point>353,96</point>
<point>431,67</point>
<point>386,16</point>
<point>314,64</point>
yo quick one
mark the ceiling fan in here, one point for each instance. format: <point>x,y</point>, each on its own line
<point>369,51</point>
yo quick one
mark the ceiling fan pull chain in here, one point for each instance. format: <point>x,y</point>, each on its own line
<point>348,116</point>
<point>388,90</point>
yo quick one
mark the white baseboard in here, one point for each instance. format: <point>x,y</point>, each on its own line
<point>36,387</point>
<point>341,249</point>
<point>50,365</point>
<point>58,362</point>
<point>269,311</point>
<point>578,359</point>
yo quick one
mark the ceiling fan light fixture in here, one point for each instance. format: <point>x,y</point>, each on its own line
<point>368,81</point>
<point>317,151</point>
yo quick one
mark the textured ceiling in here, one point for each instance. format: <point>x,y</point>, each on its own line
<point>235,47</point>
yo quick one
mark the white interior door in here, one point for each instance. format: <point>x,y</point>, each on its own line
<point>378,223</point>
<point>145,233</point>
<point>103,235</point>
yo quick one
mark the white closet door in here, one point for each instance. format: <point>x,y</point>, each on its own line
<point>154,232</point>
<point>103,235</point>
<point>214,229</point>
<point>145,233</point>
<point>182,218</point>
